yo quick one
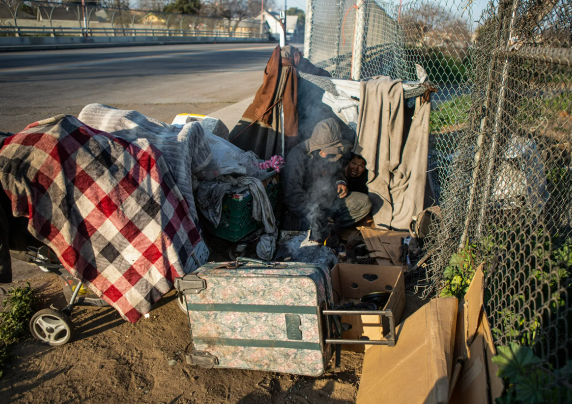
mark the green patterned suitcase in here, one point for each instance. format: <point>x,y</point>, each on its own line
<point>263,316</point>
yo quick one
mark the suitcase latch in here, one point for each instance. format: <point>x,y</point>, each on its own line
<point>202,359</point>
<point>190,284</point>
<point>293,323</point>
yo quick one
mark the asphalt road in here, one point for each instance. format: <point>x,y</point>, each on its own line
<point>158,81</point>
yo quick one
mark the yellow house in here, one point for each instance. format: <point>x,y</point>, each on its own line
<point>152,19</point>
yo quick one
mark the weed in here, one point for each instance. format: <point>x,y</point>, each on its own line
<point>19,306</point>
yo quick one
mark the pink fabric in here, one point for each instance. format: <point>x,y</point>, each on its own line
<point>275,162</point>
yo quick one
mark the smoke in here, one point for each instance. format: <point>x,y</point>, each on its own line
<point>322,195</point>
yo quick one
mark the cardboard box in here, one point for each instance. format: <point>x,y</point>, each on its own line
<point>475,374</point>
<point>443,355</point>
<point>417,368</point>
<point>354,281</point>
<point>384,245</point>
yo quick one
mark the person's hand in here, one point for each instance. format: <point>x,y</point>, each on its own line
<point>342,191</point>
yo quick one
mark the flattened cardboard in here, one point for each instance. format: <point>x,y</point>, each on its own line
<point>349,283</point>
<point>384,245</point>
<point>474,349</point>
<point>418,367</point>
<point>469,315</point>
<point>495,383</point>
<point>471,387</point>
<point>478,374</point>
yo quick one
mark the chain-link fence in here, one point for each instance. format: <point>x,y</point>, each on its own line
<point>500,154</point>
<point>41,18</point>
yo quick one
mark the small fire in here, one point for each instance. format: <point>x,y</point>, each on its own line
<point>325,241</point>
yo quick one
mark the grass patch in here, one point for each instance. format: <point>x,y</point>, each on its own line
<point>19,307</point>
<point>551,114</point>
<point>453,112</point>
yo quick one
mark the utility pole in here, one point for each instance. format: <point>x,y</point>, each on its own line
<point>285,18</point>
<point>84,16</point>
<point>262,18</point>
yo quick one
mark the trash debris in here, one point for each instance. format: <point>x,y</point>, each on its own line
<point>297,247</point>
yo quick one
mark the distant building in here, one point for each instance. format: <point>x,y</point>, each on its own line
<point>272,20</point>
<point>152,19</point>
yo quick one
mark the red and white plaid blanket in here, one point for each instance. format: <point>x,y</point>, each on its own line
<point>108,208</point>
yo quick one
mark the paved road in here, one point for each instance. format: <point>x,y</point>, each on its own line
<point>159,81</point>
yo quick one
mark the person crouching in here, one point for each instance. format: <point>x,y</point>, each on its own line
<point>356,174</point>
<point>315,186</point>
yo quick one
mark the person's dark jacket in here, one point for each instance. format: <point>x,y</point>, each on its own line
<point>309,181</point>
<point>358,184</point>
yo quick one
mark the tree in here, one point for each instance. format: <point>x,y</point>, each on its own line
<point>183,7</point>
<point>115,3</point>
<point>431,25</point>
<point>153,5</point>
<point>234,10</point>
<point>300,13</point>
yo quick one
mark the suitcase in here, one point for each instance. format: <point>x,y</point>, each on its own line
<point>250,314</point>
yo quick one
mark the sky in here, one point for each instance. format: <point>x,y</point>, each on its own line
<point>478,5</point>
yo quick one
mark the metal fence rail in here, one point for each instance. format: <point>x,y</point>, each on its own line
<point>500,155</point>
<point>45,18</point>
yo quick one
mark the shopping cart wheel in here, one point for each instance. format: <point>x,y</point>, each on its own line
<point>51,326</point>
<point>181,302</point>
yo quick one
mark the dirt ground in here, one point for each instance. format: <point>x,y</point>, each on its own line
<point>112,361</point>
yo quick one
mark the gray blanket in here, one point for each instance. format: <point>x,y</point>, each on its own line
<point>186,150</point>
<point>396,161</point>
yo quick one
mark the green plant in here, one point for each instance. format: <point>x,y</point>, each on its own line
<point>19,306</point>
<point>527,256</point>
<point>447,70</point>
<point>459,273</point>
<point>453,112</point>
<point>526,381</point>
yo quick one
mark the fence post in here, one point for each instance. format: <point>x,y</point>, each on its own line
<point>133,30</point>
<point>112,22</point>
<point>340,15</point>
<point>359,39</point>
<point>17,30</point>
<point>498,118</point>
<point>309,29</point>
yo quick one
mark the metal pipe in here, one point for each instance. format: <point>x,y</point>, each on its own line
<point>74,296</point>
<point>498,118</point>
<point>358,41</point>
<point>309,29</point>
<point>387,313</point>
<point>357,342</point>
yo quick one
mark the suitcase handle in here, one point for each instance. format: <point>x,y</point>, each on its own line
<point>390,341</point>
<point>243,261</point>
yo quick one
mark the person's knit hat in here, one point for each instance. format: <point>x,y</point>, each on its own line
<point>327,137</point>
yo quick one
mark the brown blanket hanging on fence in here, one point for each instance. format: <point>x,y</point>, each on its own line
<point>260,128</point>
<point>394,140</point>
